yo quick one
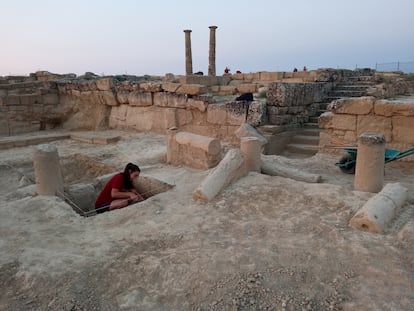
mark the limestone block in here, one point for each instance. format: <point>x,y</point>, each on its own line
<point>152,87</point>
<point>50,99</point>
<point>375,124</point>
<point>183,117</point>
<point>274,110</point>
<point>107,98</point>
<point>118,115</point>
<point>201,105</point>
<point>11,100</point>
<point>393,108</point>
<point>170,118</point>
<point>226,90</point>
<point>246,88</point>
<point>216,114</point>
<point>171,87</point>
<point>403,129</point>
<point>359,105</point>
<point>194,150</point>
<point>257,113</point>
<point>141,99</point>
<point>338,121</point>
<point>246,130</point>
<point>30,99</point>
<point>176,100</point>
<point>208,144</point>
<point>238,76</point>
<point>1,101</point>
<point>279,119</point>
<point>161,99</point>
<point>236,112</point>
<point>269,76</point>
<point>122,97</point>
<point>104,84</point>
<point>192,89</point>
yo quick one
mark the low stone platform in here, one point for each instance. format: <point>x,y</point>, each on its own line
<point>31,139</point>
<point>101,138</point>
<point>41,137</point>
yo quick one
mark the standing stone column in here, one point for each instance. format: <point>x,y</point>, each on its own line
<point>251,147</point>
<point>188,56</point>
<point>212,52</point>
<point>369,171</point>
<point>48,174</point>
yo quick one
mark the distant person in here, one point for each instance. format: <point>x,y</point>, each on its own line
<point>305,69</point>
<point>295,69</point>
<point>119,191</point>
<point>226,70</point>
<point>238,71</point>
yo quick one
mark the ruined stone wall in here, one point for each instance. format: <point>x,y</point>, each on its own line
<point>349,118</point>
<point>290,104</point>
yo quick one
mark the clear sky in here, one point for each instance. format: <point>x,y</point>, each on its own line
<point>146,36</point>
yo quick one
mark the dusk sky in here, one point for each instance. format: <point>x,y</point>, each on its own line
<point>146,37</point>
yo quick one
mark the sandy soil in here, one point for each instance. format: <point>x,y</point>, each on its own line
<point>264,243</point>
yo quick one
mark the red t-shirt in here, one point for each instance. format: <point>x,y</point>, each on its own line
<point>105,197</point>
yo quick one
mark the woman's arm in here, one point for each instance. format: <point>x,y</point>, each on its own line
<point>117,194</point>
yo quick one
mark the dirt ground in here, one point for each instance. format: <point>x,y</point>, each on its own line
<point>264,243</point>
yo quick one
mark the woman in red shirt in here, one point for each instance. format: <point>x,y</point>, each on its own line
<point>119,191</point>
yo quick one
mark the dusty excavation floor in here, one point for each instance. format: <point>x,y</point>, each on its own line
<point>265,243</point>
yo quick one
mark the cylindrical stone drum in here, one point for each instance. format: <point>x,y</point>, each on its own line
<point>370,162</point>
<point>48,174</point>
<point>251,147</point>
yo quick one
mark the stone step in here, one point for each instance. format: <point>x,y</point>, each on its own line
<point>302,148</point>
<point>340,93</point>
<point>310,132</point>
<point>310,125</point>
<point>348,87</point>
<point>305,140</point>
<point>314,119</point>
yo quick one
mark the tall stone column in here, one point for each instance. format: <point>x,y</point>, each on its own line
<point>188,56</point>
<point>212,52</point>
<point>369,170</point>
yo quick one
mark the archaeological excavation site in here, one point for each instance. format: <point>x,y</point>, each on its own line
<point>263,191</point>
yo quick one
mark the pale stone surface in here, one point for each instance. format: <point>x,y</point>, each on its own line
<point>152,87</point>
<point>246,88</point>
<point>375,124</point>
<point>197,104</point>
<point>369,170</point>
<point>161,99</point>
<point>216,114</point>
<point>171,87</point>
<point>183,117</point>
<point>378,212</point>
<point>276,169</point>
<point>246,130</point>
<point>359,105</point>
<point>105,84</point>
<point>257,113</point>
<point>403,129</point>
<point>48,174</point>
<point>393,108</point>
<point>142,99</point>
<point>229,170</point>
<point>328,120</point>
<point>194,150</point>
<point>177,100</point>
<point>192,89</point>
<point>251,147</point>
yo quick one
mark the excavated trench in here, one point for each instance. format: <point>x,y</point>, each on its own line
<point>84,178</point>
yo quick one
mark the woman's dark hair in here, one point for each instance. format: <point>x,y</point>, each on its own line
<point>129,168</point>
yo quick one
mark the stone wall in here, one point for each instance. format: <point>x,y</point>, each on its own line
<point>346,119</point>
<point>291,104</point>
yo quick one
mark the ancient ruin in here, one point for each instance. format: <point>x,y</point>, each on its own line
<point>245,208</point>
